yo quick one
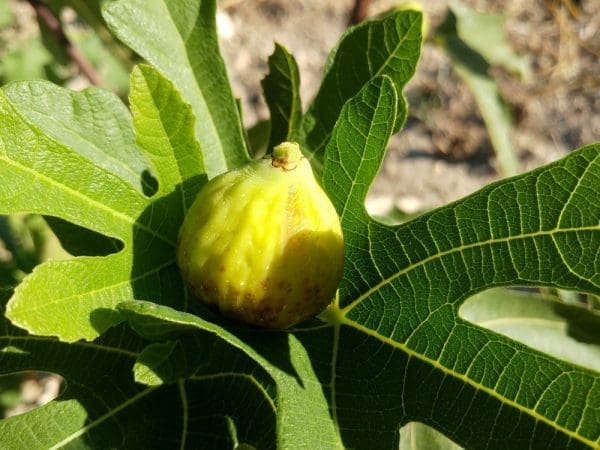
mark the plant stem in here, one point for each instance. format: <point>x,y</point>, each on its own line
<point>359,11</point>
<point>47,17</point>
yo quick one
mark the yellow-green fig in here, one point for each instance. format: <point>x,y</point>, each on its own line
<point>263,243</point>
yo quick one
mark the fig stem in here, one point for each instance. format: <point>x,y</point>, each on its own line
<point>286,155</point>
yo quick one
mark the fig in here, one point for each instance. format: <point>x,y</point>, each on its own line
<point>263,244</point>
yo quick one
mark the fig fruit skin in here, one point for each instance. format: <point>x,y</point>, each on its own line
<point>263,244</point>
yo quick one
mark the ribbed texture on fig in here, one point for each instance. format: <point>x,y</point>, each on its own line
<point>263,244</point>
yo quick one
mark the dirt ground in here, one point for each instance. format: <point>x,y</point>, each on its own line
<point>445,154</point>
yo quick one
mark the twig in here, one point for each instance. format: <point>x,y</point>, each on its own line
<point>47,17</point>
<point>359,11</point>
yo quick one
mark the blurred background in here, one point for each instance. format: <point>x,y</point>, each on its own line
<point>539,81</point>
<point>501,87</point>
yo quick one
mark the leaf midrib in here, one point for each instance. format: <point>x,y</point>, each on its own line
<point>341,318</point>
<point>464,378</point>
<point>134,223</point>
<point>106,287</point>
<point>103,418</point>
<point>85,344</point>
<point>551,233</point>
<point>185,413</point>
<point>170,138</point>
<point>85,139</point>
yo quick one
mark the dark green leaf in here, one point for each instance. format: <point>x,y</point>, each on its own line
<point>388,46</point>
<point>281,89</point>
<point>403,285</point>
<point>258,138</point>
<point>227,400</point>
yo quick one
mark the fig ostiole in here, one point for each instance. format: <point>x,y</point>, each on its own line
<point>263,244</point>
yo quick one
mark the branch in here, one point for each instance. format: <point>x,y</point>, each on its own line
<point>47,17</point>
<point>359,11</point>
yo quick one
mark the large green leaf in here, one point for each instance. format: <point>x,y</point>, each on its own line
<point>403,286</point>
<point>393,350</point>
<point>298,364</point>
<point>179,38</point>
<point>227,401</point>
<point>48,168</point>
